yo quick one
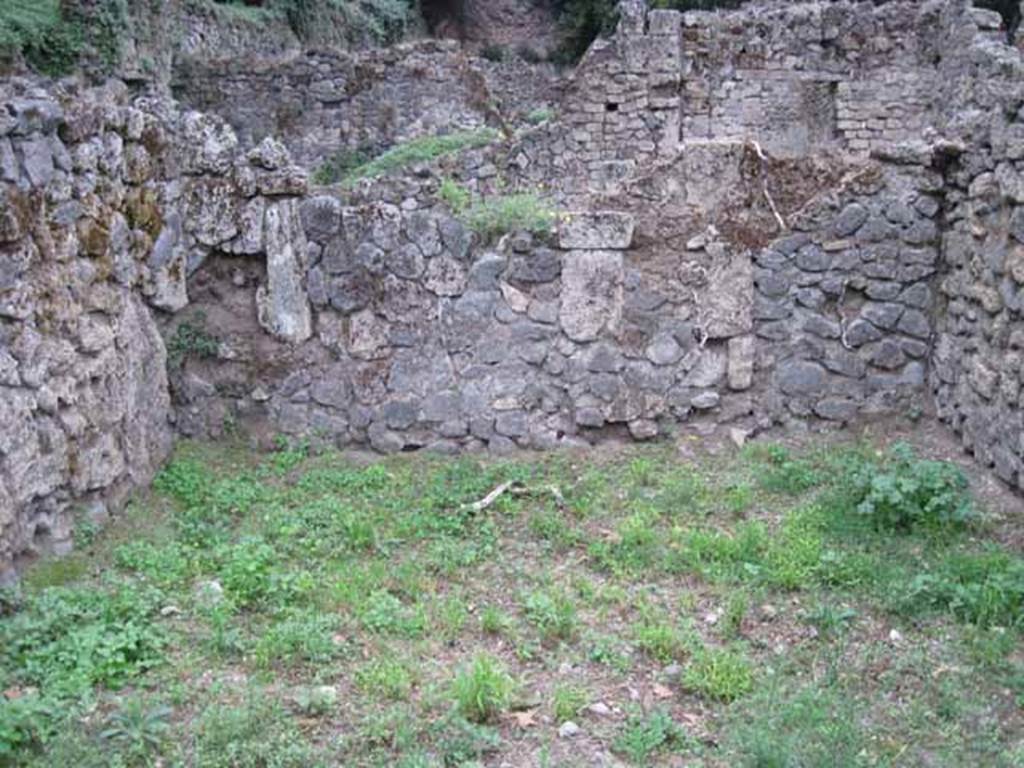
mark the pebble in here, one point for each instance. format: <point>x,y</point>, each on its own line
<point>568,729</point>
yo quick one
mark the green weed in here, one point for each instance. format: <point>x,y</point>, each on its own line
<point>552,613</point>
<point>421,150</point>
<point>646,735</point>
<point>385,677</point>
<point>482,689</point>
<point>722,674</point>
<point>567,701</point>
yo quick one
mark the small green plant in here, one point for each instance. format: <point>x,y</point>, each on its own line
<point>523,211</point>
<point>723,674</point>
<point>567,701</point>
<point>903,491</point>
<point>383,613</point>
<point>421,150</point>
<point>138,728</point>
<point>316,701</point>
<point>661,640</point>
<point>463,743</point>
<point>494,621</point>
<point>731,622</point>
<point>482,689</point>
<point>540,116</point>
<point>829,619</point>
<point>738,498</point>
<point>552,613</point>
<point>646,735</point>
<point>385,677</point>
<point>340,164</point>
<point>779,472</point>
<point>255,734</point>
<point>985,589</point>
<point>191,338</point>
<point>808,726</point>
<point>454,195</point>
<point>302,636</point>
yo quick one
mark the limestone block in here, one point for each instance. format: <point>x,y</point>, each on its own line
<point>282,304</point>
<point>741,362</point>
<point>592,293</point>
<point>726,305</point>
<point>210,143</point>
<point>168,267</point>
<point>368,336</point>
<point>598,230</point>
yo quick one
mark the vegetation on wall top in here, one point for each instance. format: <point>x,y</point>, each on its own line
<point>54,36</point>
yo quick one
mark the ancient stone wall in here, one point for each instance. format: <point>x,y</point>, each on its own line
<point>976,371</point>
<point>104,210</point>
<point>326,101</point>
<point>157,276</point>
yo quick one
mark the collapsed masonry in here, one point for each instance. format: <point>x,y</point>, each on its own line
<point>812,212</point>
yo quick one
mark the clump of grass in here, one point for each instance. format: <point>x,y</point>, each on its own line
<point>808,726</point>
<point>255,733</point>
<point>482,689</point>
<point>540,115</point>
<point>523,211</point>
<point>986,589</point>
<point>340,164</point>
<point>567,701</point>
<point>553,614</point>
<point>662,640</point>
<point>385,677</point>
<point>302,636</point>
<point>421,150</point>
<point>494,621</point>
<point>722,674</point>
<point>454,195</point>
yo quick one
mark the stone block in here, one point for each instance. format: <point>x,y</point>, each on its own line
<point>592,293</point>
<point>599,230</point>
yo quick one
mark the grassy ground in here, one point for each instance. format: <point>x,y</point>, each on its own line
<point>764,607</point>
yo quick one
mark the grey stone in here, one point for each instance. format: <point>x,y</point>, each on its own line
<point>813,259</point>
<point>741,362</point>
<point>664,350</point>
<point>800,377</point>
<point>705,400</point>
<point>836,409</point>
<point>400,414</point>
<point>321,217</point>
<point>915,323</point>
<point>592,293</point>
<point>282,305</point>
<point>596,230</point>
<point>849,220</point>
<point>512,423</point>
<point>643,429</point>
<point>888,354</point>
<point>37,160</point>
<point>485,272</point>
<point>861,332</point>
<point>884,315</point>
<point>541,265</point>
<point>821,326</point>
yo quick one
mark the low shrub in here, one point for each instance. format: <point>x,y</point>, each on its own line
<point>900,491</point>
